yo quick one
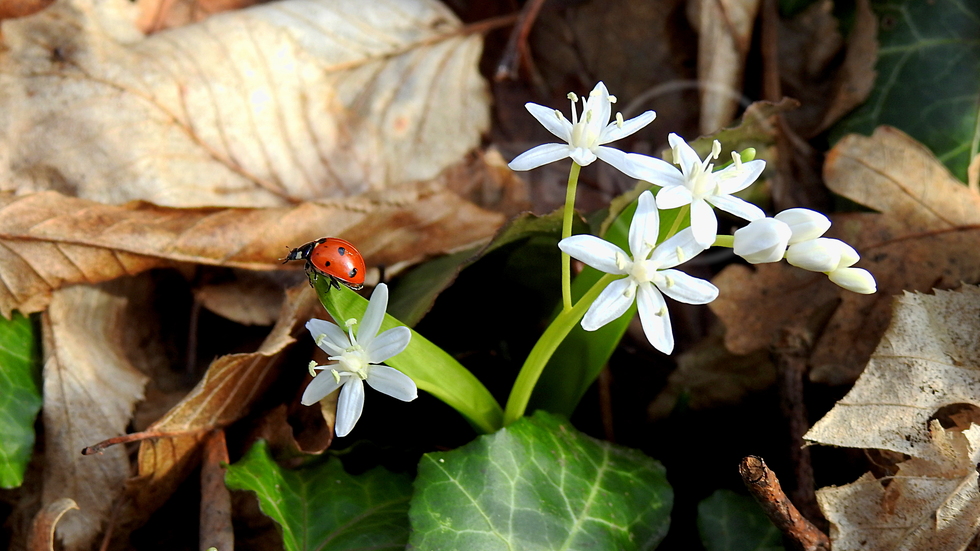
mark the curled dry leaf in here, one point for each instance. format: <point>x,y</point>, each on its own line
<point>925,238</point>
<point>48,240</point>
<point>42,527</point>
<point>224,395</point>
<point>90,389</point>
<point>285,101</point>
<point>927,360</point>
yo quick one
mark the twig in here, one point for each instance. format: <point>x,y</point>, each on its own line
<point>516,48</point>
<point>764,487</point>
<point>136,437</point>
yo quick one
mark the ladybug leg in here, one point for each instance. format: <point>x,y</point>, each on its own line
<point>334,283</point>
<point>311,274</point>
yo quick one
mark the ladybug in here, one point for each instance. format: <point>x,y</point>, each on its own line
<point>331,257</point>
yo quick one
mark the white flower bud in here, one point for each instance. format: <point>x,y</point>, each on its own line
<point>854,279</point>
<point>762,241</point>
<point>816,255</point>
<point>848,256</point>
<point>806,224</point>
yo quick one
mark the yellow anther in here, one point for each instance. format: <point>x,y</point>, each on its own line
<point>312,368</point>
<point>621,261</point>
<point>573,97</point>
<point>668,281</point>
<point>588,116</point>
<point>715,149</point>
<point>737,159</point>
<point>559,115</point>
<point>336,376</point>
<point>320,338</point>
<point>681,257</point>
<point>619,119</point>
<point>350,323</point>
<point>663,311</point>
<point>612,99</point>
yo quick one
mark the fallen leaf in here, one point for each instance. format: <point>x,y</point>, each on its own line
<point>157,15</point>
<point>227,391</point>
<point>42,528</point>
<point>90,389</point>
<point>248,299</point>
<point>281,102</point>
<point>856,76</point>
<point>48,240</point>
<point>724,38</point>
<point>215,529</point>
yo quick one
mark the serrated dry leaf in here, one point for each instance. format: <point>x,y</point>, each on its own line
<point>90,389</point>
<point>286,101</point>
<point>48,240</point>
<point>225,394</point>
<point>923,239</point>
<point>928,359</point>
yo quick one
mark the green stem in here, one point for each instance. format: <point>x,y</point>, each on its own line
<point>566,231</point>
<point>545,347</point>
<point>724,241</point>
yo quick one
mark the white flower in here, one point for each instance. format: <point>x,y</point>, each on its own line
<point>585,137</point>
<point>648,274</point>
<point>857,280</point>
<point>357,359</point>
<point>763,240</point>
<point>806,224</point>
<point>834,258</point>
<point>699,185</point>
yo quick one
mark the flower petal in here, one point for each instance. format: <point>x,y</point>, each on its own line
<point>762,241</point>
<point>598,103</point>
<point>598,253</point>
<point>733,179</point>
<point>680,248</point>
<point>654,318</point>
<point>390,343</point>
<point>613,131</point>
<point>733,205</point>
<point>857,280</point>
<point>653,170</point>
<point>614,157</point>
<point>336,340</point>
<point>684,155</point>
<point>645,226</point>
<point>540,155</point>
<point>583,156</point>
<point>611,303</point>
<point>687,288</point>
<point>704,223</point>
<point>320,387</point>
<point>672,197</point>
<point>349,406</point>
<point>806,224</point>
<point>548,117</point>
<point>817,255</point>
<point>369,326</point>
<point>392,382</point>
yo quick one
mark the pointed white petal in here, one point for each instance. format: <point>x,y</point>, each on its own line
<point>656,327</point>
<point>611,303</point>
<point>680,248</point>
<point>540,155</point>
<point>321,386</point>
<point>645,226</point>
<point>615,158</point>
<point>613,132</point>
<point>817,255</point>
<point>559,126</point>
<point>369,326</point>
<point>687,288</point>
<point>598,253</point>
<point>390,343</point>
<point>732,179</point>
<point>857,280</point>
<point>764,240</point>
<point>653,170</point>
<point>392,382</point>
<point>349,406</point>
<point>704,223</point>
<point>598,101</point>
<point>684,155</point>
<point>806,224</point>
<point>583,156</point>
<point>336,340</point>
<point>674,196</point>
<point>733,205</point>
<point>848,256</point>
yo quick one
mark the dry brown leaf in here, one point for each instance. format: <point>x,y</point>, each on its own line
<point>90,389</point>
<point>248,299</point>
<point>215,528</point>
<point>225,394</point>
<point>927,360</point>
<point>286,101</point>
<point>756,304</point>
<point>856,76</point>
<point>157,15</point>
<point>724,38</point>
<point>48,240</point>
<point>43,525</point>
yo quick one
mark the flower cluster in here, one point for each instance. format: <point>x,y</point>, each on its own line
<point>357,358</point>
<point>690,183</point>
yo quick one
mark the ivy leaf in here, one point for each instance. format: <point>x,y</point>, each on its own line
<point>928,78</point>
<point>731,522</point>
<point>539,484</point>
<point>322,507</point>
<point>21,397</point>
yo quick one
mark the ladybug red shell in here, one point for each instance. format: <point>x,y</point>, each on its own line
<point>332,257</point>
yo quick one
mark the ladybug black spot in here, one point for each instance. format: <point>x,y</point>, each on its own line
<point>326,263</point>
<point>353,272</point>
<point>341,251</point>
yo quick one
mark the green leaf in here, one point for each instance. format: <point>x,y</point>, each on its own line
<point>432,369</point>
<point>417,290</point>
<point>322,507</point>
<point>539,484</point>
<point>928,81</point>
<point>731,522</point>
<point>21,397</point>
